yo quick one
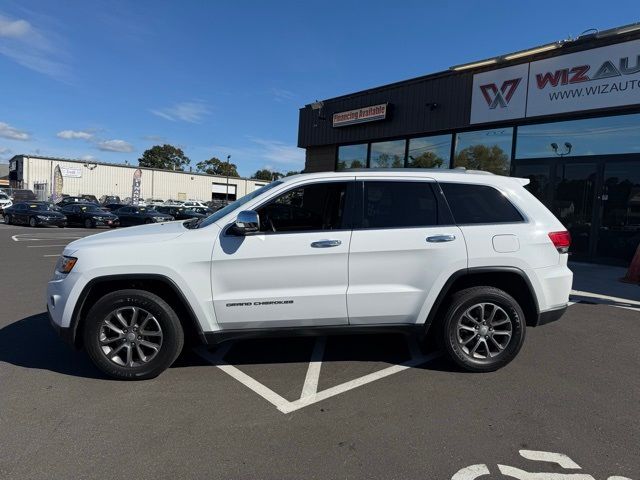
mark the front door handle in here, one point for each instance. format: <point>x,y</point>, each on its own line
<point>441,238</point>
<point>326,243</point>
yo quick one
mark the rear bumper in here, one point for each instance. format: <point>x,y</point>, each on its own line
<point>551,315</point>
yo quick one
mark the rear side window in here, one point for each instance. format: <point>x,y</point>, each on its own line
<point>398,205</point>
<point>479,204</point>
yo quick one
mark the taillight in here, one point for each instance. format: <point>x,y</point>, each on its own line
<point>561,240</point>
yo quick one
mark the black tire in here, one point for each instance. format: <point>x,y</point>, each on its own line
<point>455,334</point>
<point>172,339</point>
<point>7,219</point>
<point>33,222</point>
<point>148,221</point>
<point>88,223</point>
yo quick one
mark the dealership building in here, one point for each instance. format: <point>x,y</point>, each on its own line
<point>78,177</point>
<point>566,115</point>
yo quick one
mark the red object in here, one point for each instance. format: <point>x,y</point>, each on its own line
<point>633,272</point>
<point>561,240</point>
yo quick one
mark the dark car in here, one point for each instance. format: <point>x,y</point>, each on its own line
<point>131,215</point>
<point>34,214</point>
<point>21,195</point>
<point>179,213</point>
<point>71,200</point>
<point>112,207</point>
<point>90,215</point>
<point>90,198</point>
<point>110,199</point>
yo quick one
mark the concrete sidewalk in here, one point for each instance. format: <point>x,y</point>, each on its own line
<point>602,280</point>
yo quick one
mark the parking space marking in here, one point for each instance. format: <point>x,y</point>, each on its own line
<point>309,395</point>
<point>54,255</point>
<point>45,246</point>
<point>28,237</point>
<point>310,386</point>
<point>600,296</point>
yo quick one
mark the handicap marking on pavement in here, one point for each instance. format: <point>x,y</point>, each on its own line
<point>309,391</point>
<point>478,471</point>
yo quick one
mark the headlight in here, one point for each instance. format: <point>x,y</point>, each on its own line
<point>65,264</point>
<point>42,217</point>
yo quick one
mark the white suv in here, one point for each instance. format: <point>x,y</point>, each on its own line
<point>473,258</point>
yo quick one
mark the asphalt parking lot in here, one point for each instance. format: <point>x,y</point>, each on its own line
<point>374,407</point>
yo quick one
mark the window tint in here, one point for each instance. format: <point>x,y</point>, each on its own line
<point>479,204</point>
<point>399,205</point>
<point>318,206</point>
<point>387,154</point>
<point>352,156</point>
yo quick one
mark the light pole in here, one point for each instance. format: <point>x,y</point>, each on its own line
<point>226,195</point>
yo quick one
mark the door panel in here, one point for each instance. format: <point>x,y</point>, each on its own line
<point>400,257</point>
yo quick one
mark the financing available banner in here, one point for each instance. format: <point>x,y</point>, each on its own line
<point>599,78</point>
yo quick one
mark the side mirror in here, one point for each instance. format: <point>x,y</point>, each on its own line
<point>247,222</point>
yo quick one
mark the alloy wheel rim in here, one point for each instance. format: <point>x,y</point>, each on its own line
<point>130,336</point>
<point>484,331</point>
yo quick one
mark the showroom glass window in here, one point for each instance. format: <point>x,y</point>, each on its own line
<point>399,205</point>
<point>429,152</point>
<point>352,156</point>
<point>488,150</point>
<point>591,136</point>
<point>387,154</point>
<point>315,207</point>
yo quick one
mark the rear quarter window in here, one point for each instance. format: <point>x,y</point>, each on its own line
<point>475,204</point>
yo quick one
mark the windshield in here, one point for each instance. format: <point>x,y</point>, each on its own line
<point>238,203</point>
<point>40,206</point>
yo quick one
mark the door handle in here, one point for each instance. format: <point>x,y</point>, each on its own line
<point>326,243</point>
<point>441,238</point>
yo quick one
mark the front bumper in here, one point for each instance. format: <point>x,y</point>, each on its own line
<point>57,222</point>
<point>107,223</point>
<point>66,333</point>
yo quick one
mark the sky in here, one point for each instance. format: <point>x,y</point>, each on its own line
<point>105,80</point>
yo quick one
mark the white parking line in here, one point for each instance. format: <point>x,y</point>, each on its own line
<point>46,246</point>
<point>580,293</point>
<point>311,381</point>
<point>310,386</point>
<point>56,255</point>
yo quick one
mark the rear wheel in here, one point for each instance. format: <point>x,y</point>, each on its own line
<point>132,335</point>
<point>7,219</point>
<point>148,221</point>
<point>484,329</point>
<point>88,223</point>
<point>33,222</point>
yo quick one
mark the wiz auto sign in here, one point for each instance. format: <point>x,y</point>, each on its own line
<point>599,78</point>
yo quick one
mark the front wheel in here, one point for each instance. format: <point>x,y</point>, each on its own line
<point>88,223</point>
<point>33,222</point>
<point>484,329</point>
<point>7,219</point>
<point>132,335</point>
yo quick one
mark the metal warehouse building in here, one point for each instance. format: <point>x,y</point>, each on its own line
<point>566,115</point>
<point>99,178</point>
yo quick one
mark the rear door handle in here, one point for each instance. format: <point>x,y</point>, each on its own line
<point>441,238</point>
<point>326,243</point>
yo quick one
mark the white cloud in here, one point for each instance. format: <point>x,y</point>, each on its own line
<point>74,134</point>
<point>12,133</point>
<point>192,112</point>
<point>280,94</point>
<point>264,153</point>
<point>280,152</point>
<point>115,146</point>
<point>32,48</point>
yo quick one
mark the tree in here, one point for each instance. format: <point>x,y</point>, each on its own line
<point>265,174</point>
<point>165,157</point>
<point>484,157</point>
<point>426,160</point>
<point>215,166</point>
<point>291,172</point>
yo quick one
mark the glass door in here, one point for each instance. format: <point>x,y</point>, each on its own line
<point>619,213</point>
<point>575,188</point>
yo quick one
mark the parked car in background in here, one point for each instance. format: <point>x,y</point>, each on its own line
<point>34,214</point>
<point>5,202</point>
<point>72,200</point>
<point>206,211</point>
<point>130,215</point>
<point>193,203</point>
<point>89,215</point>
<point>171,201</point>
<point>21,195</point>
<point>112,207</point>
<point>154,201</point>
<point>106,199</point>
<point>179,213</point>
<point>90,198</point>
<point>217,204</point>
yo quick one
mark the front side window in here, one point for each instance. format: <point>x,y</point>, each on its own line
<point>352,156</point>
<point>387,154</point>
<point>319,206</point>
<point>429,152</point>
<point>479,204</point>
<point>488,150</point>
<point>388,204</point>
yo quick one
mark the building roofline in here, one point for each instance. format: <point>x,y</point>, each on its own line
<point>125,165</point>
<point>583,42</point>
